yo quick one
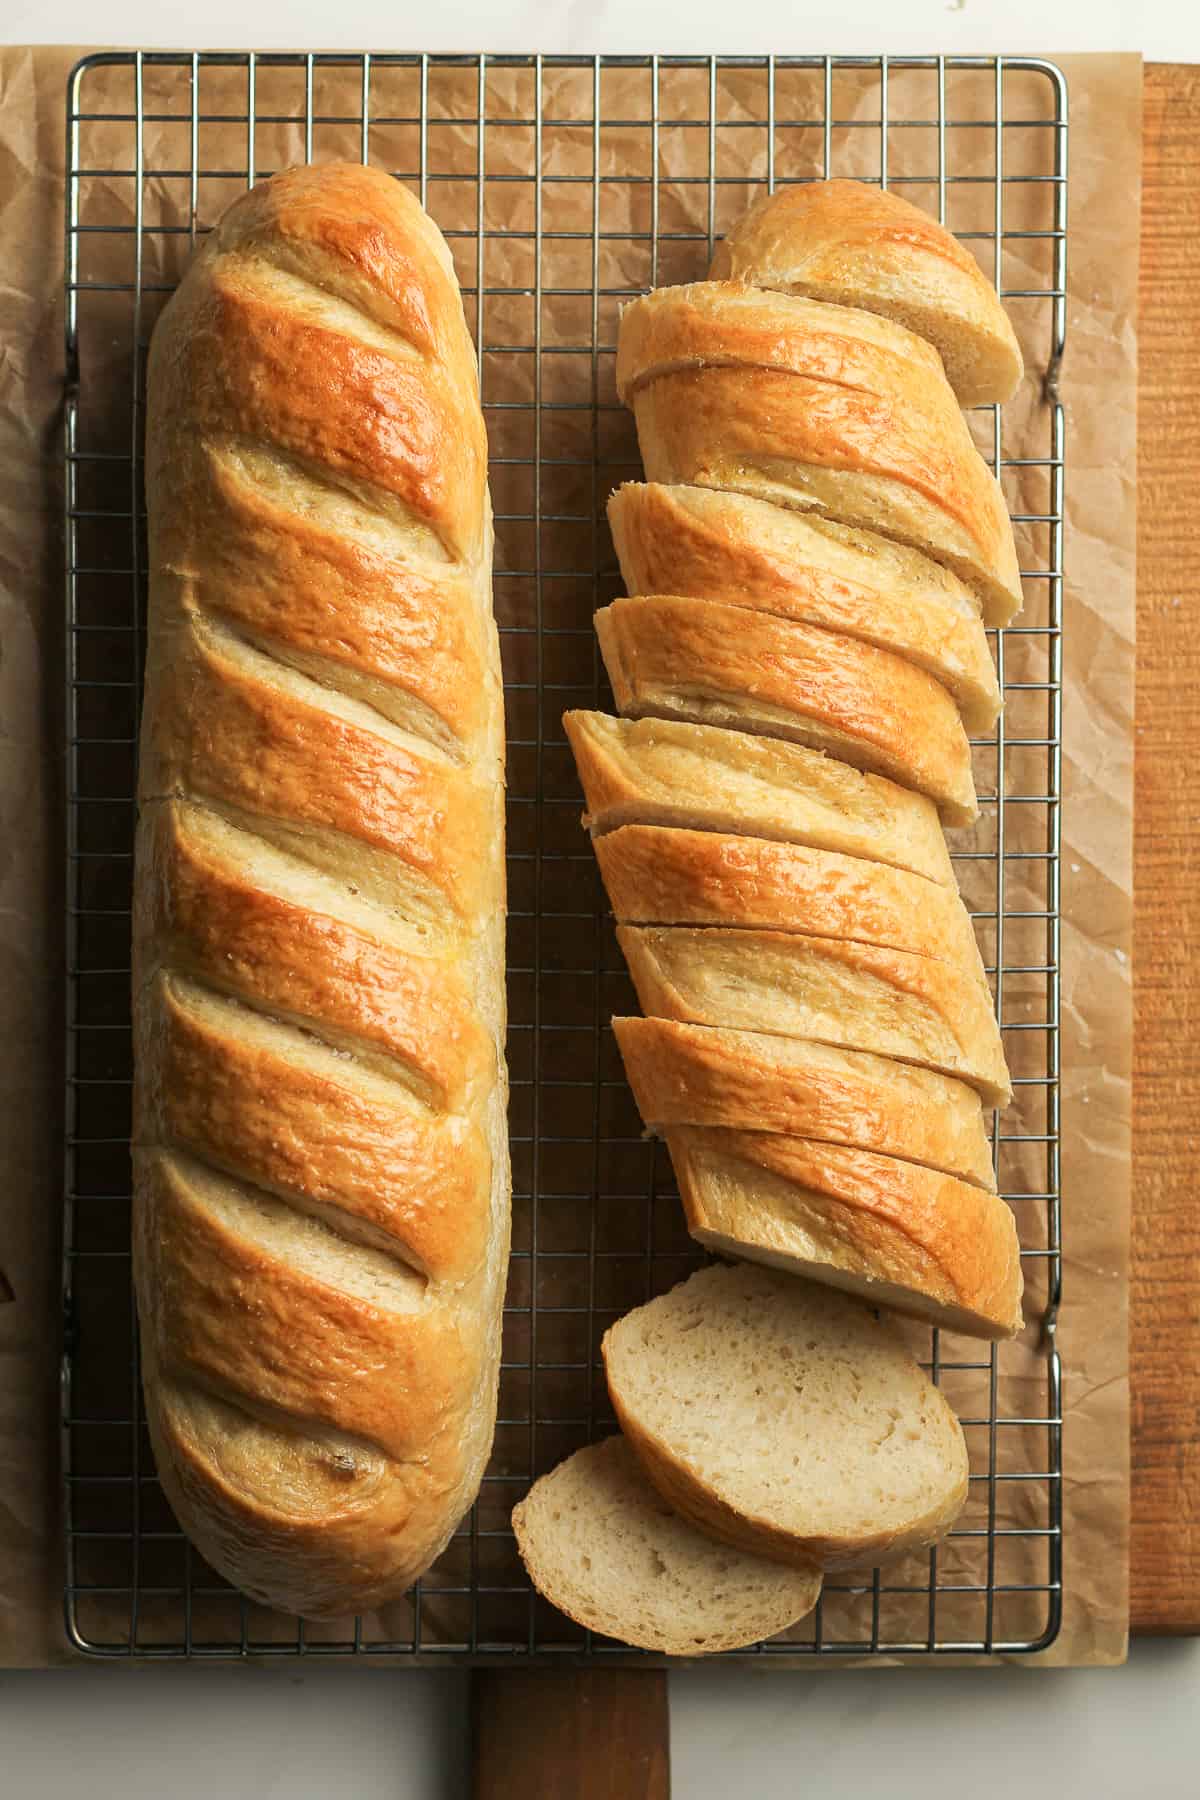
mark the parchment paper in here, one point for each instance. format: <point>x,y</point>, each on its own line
<point>1099,386</point>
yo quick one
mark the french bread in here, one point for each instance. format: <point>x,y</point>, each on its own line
<point>320,1143</point>
<point>820,408</point>
<point>852,244</point>
<point>659,876</point>
<point>781,1417</point>
<point>854,996</point>
<point>753,1081</point>
<point>745,552</point>
<point>699,660</point>
<point>894,1233</point>
<point>668,772</point>
<point>603,1546</point>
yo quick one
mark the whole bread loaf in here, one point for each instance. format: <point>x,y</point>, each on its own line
<point>320,1147</point>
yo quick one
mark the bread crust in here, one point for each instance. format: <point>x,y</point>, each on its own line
<point>674,657</point>
<point>321,1172</point>
<point>855,996</point>
<point>712,1601</point>
<point>816,407</point>
<point>853,244</point>
<point>910,1238</point>
<point>712,545</point>
<point>749,1080</point>
<point>673,773</point>
<point>662,876</point>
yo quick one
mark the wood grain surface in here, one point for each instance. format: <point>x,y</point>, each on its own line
<point>570,1734</point>
<point>1165,1299</point>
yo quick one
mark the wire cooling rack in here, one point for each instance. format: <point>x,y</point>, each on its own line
<point>564,186</point>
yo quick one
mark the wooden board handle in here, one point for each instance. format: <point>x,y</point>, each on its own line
<point>570,1734</point>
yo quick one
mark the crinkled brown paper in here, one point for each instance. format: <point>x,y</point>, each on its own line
<point>1099,386</point>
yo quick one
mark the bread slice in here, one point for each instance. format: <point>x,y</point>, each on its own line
<point>856,245</point>
<point>893,1233</point>
<point>782,1417</point>
<point>856,996</point>
<point>666,772</point>
<point>717,546</point>
<point>750,1081</point>
<point>656,876</point>
<point>672,657</point>
<point>819,408</point>
<point>603,1547</point>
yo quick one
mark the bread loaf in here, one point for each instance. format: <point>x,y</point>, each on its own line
<point>668,772</point>
<point>603,1546</point>
<point>892,1232</point>
<point>855,245</point>
<point>781,1417</point>
<point>320,1145</point>
<point>819,408</point>
<point>753,1081</point>
<point>718,546</point>
<point>721,665</point>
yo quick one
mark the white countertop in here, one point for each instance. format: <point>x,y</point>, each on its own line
<point>198,1732</point>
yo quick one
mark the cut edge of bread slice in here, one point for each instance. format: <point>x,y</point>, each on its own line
<point>782,1417</point>
<point>601,1544</point>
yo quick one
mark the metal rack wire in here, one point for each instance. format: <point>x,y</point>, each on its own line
<point>564,184</point>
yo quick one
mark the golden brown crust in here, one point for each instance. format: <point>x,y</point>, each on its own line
<point>751,1081</point>
<point>853,244</point>
<point>946,1250</point>
<point>669,772</point>
<point>303,580</point>
<point>233,1316</point>
<point>201,913</point>
<point>321,1175</point>
<point>815,407</point>
<point>856,996</point>
<point>246,1095</point>
<point>220,724</point>
<point>673,657</point>
<point>658,876</point>
<point>745,552</point>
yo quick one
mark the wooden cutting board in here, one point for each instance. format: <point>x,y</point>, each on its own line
<point>602,1734</point>
<point>1165,1299</point>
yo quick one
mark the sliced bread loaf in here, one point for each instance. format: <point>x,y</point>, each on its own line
<point>894,1233</point>
<point>783,1418</point>
<point>603,1546</point>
